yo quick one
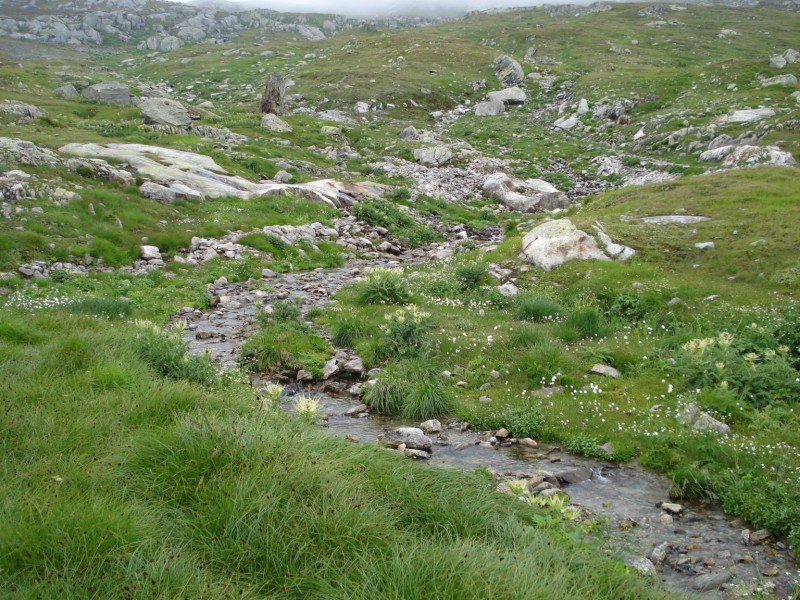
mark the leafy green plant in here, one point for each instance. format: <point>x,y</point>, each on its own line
<point>404,331</point>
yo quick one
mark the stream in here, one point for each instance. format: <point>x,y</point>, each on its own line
<point>699,552</point>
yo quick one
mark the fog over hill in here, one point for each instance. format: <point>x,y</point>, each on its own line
<point>362,9</point>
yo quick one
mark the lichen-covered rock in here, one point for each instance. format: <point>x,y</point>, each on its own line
<point>555,242</point>
<point>275,123</point>
<point>733,155</point>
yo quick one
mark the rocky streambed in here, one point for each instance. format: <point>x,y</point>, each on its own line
<point>691,548</point>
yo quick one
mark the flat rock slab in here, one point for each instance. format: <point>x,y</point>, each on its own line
<point>674,220</point>
<point>201,174</point>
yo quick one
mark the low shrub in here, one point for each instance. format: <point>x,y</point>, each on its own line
<point>536,308</point>
<point>583,323</point>
<point>347,328</point>
<point>383,286</point>
<point>526,336</point>
<point>168,355</point>
<point>472,274</point>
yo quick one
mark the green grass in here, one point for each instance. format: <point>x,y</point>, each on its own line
<point>118,482</point>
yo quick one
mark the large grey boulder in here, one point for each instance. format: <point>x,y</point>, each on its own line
<point>412,437</point>
<point>555,242</point>
<point>29,112</point>
<point>66,91</point>
<point>489,109</point>
<point>275,123</point>
<point>532,195</point>
<point>163,111</point>
<point>108,91</point>
<point>509,96</point>
<point>435,156</point>
<point>786,79</point>
<point>733,155</point>
<point>508,70</point>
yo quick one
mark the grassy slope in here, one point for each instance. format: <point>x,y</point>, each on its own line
<point>118,483</point>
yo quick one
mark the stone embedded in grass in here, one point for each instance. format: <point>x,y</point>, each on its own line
<point>149,253</point>
<point>275,123</point>
<point>605,371</point>
<point>112,92</point>
<point>642,565</point>
<point>704,245</point>
<point>163,111</point>
<point>734,155</point>
<point>489,109</point>
<point>157,192</point>
<point>330,130</point>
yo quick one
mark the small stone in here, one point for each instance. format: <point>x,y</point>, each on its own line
<point>417,454</point>
<point>484,399</point>
<point>528,443</point>
<point>361,408</point>
<point>501,433</point>
<point>704,245</point>
<point>769,571</point>
<point>149,253</point>
<point>665,519</point>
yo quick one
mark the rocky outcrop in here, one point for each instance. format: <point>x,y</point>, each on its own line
<point>732,155</point>
<point>747,115</point>
<point>555,242</point>
<point>199,176</point>
<point>532,195</point>
<point>16,151</point>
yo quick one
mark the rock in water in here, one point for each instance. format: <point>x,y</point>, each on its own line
<point>411,437</point>
<point>272,100</point>
<point>163,111</point>
<point>508,70</point>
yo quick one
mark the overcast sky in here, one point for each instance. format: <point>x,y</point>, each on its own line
<point>388,7</point>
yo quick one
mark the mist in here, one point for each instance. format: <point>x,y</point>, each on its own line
<point>359,8</point>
